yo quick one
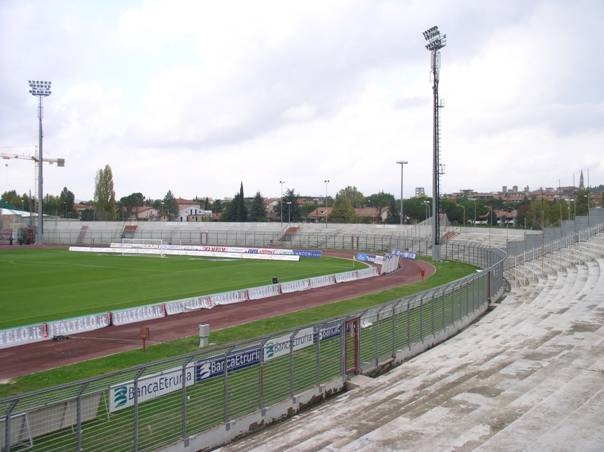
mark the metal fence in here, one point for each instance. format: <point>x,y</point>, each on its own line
<point>174,401</point>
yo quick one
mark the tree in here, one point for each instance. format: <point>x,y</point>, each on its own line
<point>217,206</point>
<point>104,196</point>
<point>343,211</point>
<point>291,209</point>
<point>131,202</point>
<point>381,201</point>
<point>66,201</point>
<point>582,198</point>
<point>170,206</point>
<point>257,212</point>
<point>356,197</point>
<point>235,210</point>
<point>14,200</point>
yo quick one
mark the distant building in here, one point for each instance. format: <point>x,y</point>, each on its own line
<point>191,211</point>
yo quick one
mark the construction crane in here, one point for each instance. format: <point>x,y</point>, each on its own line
<point>59,162</point>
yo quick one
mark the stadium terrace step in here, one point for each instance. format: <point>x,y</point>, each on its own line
<point>527,376</point>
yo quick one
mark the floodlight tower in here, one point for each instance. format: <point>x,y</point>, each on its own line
<point>40,89</point>
<point>402,163</point>
<point>436,41</point>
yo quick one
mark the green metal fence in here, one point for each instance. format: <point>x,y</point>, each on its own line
<point>177,400</point>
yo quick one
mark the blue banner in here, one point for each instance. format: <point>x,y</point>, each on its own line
<point>363,257</point>
<point>330,330</point>
<point>404,254</point>
<point>308,253</point>
<point>214,367</point>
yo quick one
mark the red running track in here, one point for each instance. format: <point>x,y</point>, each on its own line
<point>30,358</point>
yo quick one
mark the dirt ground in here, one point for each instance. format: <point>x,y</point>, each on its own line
<point>30,358</point>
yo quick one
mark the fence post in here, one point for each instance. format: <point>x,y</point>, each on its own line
<point>135,426</point>
<point>394,329</point>
<point>409,324</point>
<point>421,319</point>
<point>376,336</point>
<point>183,412</point>
<point>261,378</point>
<point>318,353</point>
<point>225,392</point>
<point>79,416</point>
<point>292,381</point>
<point>12,406</point>
<point>343,347</point>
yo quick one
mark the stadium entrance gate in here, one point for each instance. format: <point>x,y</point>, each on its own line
<point>351,352</point>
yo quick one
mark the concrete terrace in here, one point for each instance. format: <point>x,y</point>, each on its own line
<point>527,376</point>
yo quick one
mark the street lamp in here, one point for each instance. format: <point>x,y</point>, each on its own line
<point>490,221</point>
<point>326,183</point>
<point>281,202</point>
<point>426,206</point>
<point>436,41</point>
<point>402,163</point>
<point>40,89</point>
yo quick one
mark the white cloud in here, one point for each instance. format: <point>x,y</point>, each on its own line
<point>197,96</point>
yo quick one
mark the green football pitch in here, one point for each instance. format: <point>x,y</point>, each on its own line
<point>39,285</point>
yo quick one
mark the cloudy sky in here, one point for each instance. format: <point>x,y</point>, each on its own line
<point>196,96</point>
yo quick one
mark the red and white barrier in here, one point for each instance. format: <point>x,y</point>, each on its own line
<point>20,335</point>
<point>183,251</point>
<point>295,286</point>
<point>189,304</point>
<point>235,296</point>
<point>346,276</point>
<point>78,324</point>
<point>256,293</point>
<point>138,314</point>
<point>321,281</point>
<point>367,273</point>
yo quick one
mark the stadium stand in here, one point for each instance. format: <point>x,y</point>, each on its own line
<point>528,376</point>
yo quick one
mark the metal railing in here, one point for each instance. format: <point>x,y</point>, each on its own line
<point>168,402</point>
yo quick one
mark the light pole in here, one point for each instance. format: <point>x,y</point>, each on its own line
<point>289,213</point>
<point>281,202</point>
<point>490,221</point>
<point>426,206</point>
<point>326,183</point>
<point>436,41</point>
<point>402,163</point>
<point>40,89</point>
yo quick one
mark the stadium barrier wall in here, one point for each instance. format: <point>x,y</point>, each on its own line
<point>19,335</point>
<point>183,252</point>
<point>257,293</point>
<point>138,314</point>
<point>240,389</point>
<point>189,304</point>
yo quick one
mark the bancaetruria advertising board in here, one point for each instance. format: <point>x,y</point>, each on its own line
<point>149,387</point>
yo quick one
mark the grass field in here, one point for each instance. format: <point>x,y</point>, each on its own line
<point>48,284</point>
<point>446,271</point>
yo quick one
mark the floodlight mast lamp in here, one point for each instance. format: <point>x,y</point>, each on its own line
<point>40,89</point>
<point>436,41</point>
